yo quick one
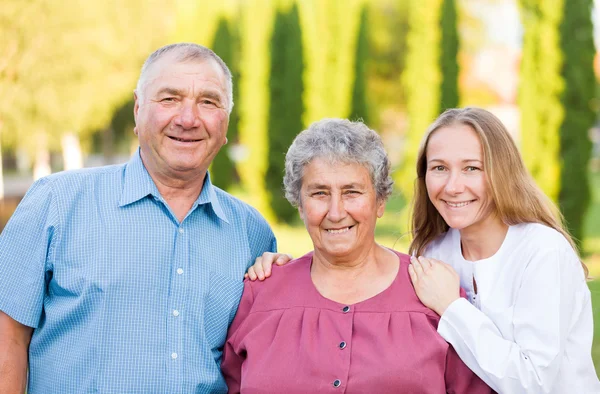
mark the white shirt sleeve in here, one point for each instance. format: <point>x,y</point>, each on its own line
<point>549,295</point>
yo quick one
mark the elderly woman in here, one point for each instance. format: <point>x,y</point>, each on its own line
<point>345,316</point>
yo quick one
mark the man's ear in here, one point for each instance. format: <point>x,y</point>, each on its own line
<point>136,108</point>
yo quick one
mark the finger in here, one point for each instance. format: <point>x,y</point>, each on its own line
<point>251,274</point>
<point>425,262</point>
<point>283,259</point>
<point>417,267</point>
<point>412,274</point>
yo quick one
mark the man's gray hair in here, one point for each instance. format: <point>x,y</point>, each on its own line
<point>338,141</point>
<point>187,52</point>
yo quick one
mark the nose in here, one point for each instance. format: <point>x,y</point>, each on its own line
<point>189,115</point>
<point>455,183</point>
<point>336,212</point>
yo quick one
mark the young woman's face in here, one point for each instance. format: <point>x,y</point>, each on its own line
<point>456,182</point>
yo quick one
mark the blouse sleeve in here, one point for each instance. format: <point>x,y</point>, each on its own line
<point>550,294</point>
<point>460,379</point>
<point>233,356</point>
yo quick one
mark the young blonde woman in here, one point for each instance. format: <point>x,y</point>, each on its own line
<point>527,324</point>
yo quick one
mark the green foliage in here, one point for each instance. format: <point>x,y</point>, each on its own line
<point>359,107</point>
<point>223,172</point>
<point>449,58</point>
<point>577,44</point>
<point>286,107</point>
<point>421,80</point>
<point>539,91</point>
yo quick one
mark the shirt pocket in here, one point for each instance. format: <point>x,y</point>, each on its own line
<point>221,305</point>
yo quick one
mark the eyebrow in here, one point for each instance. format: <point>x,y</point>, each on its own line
<point>313,186</point>
<point>462,161</point>
<point>208,93</point>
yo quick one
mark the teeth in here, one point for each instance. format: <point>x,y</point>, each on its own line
<point>458,204</point>
<point>182,140</point>
<point>342,230</point>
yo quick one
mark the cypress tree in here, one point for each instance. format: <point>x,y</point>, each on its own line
<point>577,44</point>
<point>539,91</point>
<point>449,57</point>
<point>286,107</point>
<point>223,172</point>
<point>421,80</point>
<point>359,108</point>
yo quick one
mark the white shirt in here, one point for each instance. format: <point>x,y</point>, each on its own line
<point>529,327</point>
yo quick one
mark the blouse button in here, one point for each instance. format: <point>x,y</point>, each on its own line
<point>342,345</point>
<point>337,383</point>
<point>345,309</point>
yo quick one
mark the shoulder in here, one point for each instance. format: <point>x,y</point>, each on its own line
<point>72,184</point>
<point>537,238</point>
<point>66,182</point>
<point>440,246</point>
<point>287,283</point>
<point>406,292</point>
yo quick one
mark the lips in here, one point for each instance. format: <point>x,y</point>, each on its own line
<point>339,230</point>
<point>184,139</point>
<point>458,204</point>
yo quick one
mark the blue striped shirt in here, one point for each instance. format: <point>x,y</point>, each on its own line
<point>123,297</point>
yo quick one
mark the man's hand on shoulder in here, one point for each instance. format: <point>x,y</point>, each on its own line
<point>262,266</point>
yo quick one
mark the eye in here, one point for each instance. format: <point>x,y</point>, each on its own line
<point>318,193</point>
<point>352,192</point>
<point>167,100</point>
<point>208,102</point>
<point>438,168</point>
<point>472,168</point>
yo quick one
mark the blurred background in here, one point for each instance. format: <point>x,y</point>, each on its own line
<point>68,69</point>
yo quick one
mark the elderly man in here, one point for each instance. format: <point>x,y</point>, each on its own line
<point>124,279</point>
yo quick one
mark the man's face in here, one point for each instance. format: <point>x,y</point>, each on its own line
<point>181,117</point>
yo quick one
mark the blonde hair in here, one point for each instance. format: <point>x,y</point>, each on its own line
<point>516,196</point>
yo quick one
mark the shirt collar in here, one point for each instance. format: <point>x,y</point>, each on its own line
<point>137,184</point>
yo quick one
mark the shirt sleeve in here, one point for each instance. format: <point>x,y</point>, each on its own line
<point>233,354</point>
<point>25,247</point>
<point>542,312</point>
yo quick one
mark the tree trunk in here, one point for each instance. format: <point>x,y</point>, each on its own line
<point>71,148</point>
<point>41,166</point>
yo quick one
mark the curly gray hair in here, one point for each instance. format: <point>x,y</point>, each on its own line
<point>337,140</point>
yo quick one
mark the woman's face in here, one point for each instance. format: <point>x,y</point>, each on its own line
<point>339,208</point>
<point>456,182</point>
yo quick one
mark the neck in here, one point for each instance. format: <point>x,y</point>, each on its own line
<point>484,240</point>
<point>354,280</point>
<point>180,190</point>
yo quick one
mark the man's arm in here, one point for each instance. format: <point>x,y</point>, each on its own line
<point>14,345</point>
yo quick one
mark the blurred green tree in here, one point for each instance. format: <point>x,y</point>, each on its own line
<point>540,90</point>
<point>421,79</point>
<point>225,44</point>
<point>285,106</point>
<point>577,44</point>
<point>449,56</point>
<point>359,108</point>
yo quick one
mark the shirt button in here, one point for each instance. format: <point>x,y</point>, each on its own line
<point>346,309</point>
<point>173,356</point>
<point>337,383</point>
<point>342,345</point>
<point>180,231</point>
<point>179,271</point>
<point>175,312</point>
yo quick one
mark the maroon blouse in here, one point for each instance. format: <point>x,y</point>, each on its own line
<point>288,338</point>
